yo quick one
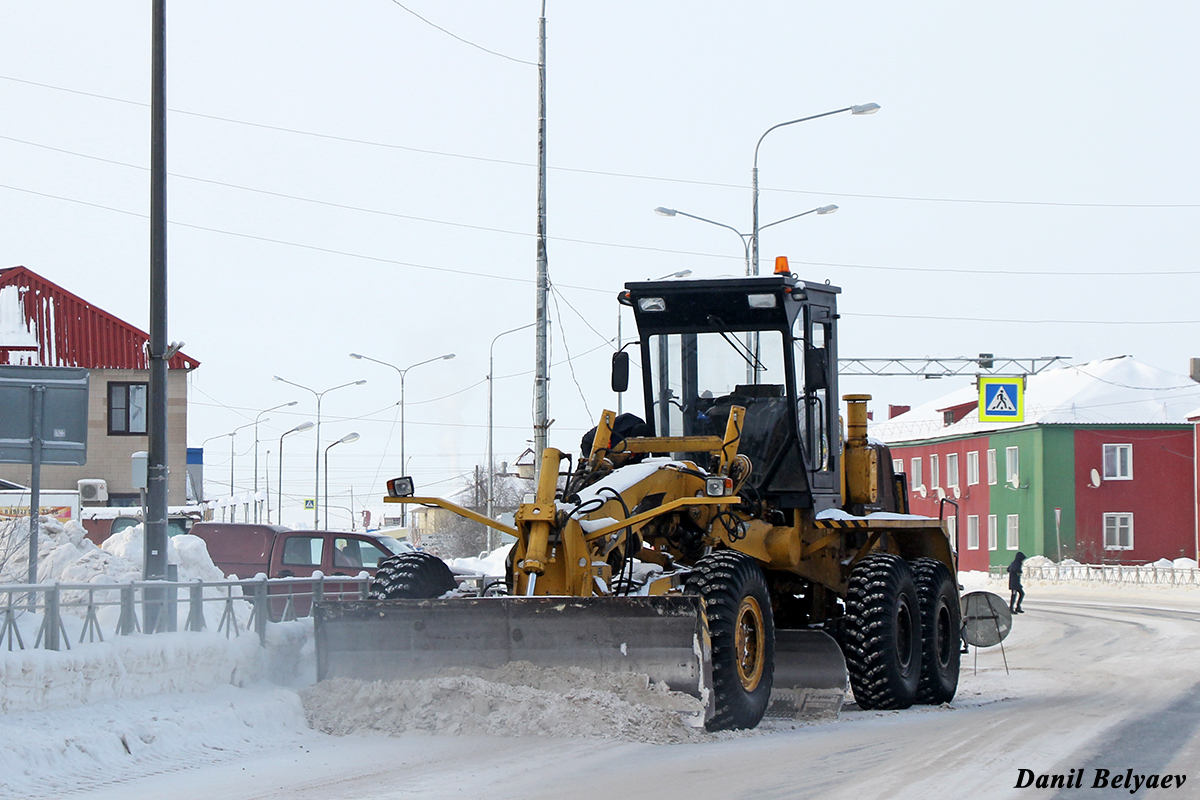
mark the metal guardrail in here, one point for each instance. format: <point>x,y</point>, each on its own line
<point>1144,575</point>
<point>156,607</point>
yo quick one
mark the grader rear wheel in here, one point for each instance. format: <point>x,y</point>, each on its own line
<point>738,607</point>
<point>883,633</point>
<point>941,621</point>
<point>411,576</point>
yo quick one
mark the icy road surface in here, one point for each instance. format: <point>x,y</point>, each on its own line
<point>1095,682</point>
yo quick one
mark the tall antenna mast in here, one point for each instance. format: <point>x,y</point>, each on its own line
<point>541,360</point>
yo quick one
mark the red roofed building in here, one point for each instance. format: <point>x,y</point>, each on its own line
<point>43,324</point>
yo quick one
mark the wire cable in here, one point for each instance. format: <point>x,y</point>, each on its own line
<point>461,39</point>
<point>610,174</point>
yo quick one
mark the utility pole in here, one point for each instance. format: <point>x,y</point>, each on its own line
<point>155,560</point>
<point>541,376</point>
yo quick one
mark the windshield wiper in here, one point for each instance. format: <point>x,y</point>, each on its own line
<point>738,347</point>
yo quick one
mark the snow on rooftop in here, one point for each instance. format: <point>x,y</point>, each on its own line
<point>15,329</point>
<point>1112,391</point>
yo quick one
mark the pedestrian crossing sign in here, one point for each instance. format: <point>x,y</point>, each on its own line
<point>310,504</point>
<point>1002,399</point>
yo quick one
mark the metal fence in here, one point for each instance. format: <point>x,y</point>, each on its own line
<point>1145,575</point>
<point>66,613</point>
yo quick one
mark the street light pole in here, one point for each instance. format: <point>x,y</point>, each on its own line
<point>303,426</point>
<point>403,372</point>
<point>349,437</point>
<point>256,421</point>
<point>745,237</point>
<point>866,108</point>
<point>317,456</point>
<point>491,456</point>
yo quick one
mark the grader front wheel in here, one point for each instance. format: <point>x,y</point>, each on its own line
<point>411,576</point>
<point>738,607</point>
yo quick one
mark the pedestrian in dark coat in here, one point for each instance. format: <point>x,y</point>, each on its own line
<point>1014,583</point>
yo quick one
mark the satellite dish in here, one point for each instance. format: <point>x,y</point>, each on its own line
<point>1095,484</point>
<point>957,493</point>
<point>986,619</point>
<point>941,493</point>
<point>921,490</point>
<point>1015,481</point>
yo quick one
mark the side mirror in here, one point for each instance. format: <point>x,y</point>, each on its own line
<point>816,369</point>
<point>620,371</point>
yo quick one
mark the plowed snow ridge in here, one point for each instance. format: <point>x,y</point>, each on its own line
<point>515,700</point>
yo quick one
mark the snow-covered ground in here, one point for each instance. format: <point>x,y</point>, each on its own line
<point>1093,676</point>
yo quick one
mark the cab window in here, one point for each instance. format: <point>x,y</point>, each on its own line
<point>357,553</point>
<point>303,551</point>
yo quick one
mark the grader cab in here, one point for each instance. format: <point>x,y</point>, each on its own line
<point>733,542</point>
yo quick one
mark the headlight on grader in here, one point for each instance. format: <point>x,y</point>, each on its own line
<point>400,487</point>
<point>718,487</point>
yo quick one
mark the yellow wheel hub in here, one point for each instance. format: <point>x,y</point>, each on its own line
<point>749,643</point>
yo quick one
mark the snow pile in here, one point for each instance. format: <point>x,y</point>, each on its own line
<point>488,564</point>
<point>94,747</point>
<point>517,699</point>
<point>126,667</point>
<point>1038,561</point>
<point>65,555</point>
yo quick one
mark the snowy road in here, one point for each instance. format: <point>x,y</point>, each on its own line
<point>1094,684</point>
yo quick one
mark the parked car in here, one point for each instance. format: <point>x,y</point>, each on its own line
<point>245,550</point>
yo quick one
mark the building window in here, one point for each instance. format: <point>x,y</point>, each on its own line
<point>973,532</point>
<point>935,473</point>
<point>952,470</point>
<point>991,462</point>
<point>1012,466</point>
<point>916,483</point>
<point>1118,531</point>
<point>952,529</point>
<point>991,531</point>
<point>1012,539</point>
<point>972,468</point>
<point>1118,462</point>
<point>897,466</point>
<point>127,409</point>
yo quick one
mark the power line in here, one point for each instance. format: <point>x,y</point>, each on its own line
<point>461,39</point>
<point>609,174</point>
<point>1029,321</point>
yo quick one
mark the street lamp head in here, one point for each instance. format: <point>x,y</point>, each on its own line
<point>448,356</point>
<point>303,426</point>
<point>356,355</point>
<point>348,438</point>
<point>827,209</point>
<point>359,383</point>
<point>665,212</point>
<point>866,108</point>
<point>276,378</point>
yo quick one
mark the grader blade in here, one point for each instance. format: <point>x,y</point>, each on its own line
<point>810,676</point>
<point>665,638</point>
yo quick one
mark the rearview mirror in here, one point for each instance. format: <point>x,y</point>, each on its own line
<point>816,368</point>
<point>620,371</point>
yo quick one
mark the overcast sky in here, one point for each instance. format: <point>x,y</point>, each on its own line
<point>349,177</point>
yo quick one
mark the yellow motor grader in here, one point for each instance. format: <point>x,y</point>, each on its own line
<point>732,544</point>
